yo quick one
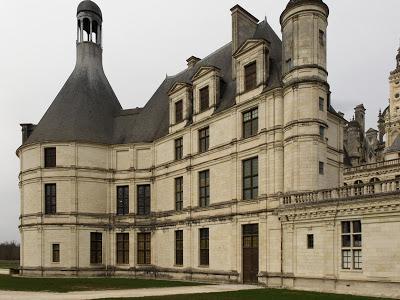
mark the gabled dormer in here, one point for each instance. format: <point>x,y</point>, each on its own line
<point>180,105</point>
<point>252,68</point>
<point>206,92</point>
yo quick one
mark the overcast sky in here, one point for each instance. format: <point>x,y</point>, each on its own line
<point>145,40</point>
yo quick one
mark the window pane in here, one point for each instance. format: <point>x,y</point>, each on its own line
<point>357,226</point>
<point>357,259</point>
<point>345,227</point>
<point>357,240</point>
<point>346,259</point>
<point>346,241</point>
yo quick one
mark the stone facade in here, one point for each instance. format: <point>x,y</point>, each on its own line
<point>302,197</point>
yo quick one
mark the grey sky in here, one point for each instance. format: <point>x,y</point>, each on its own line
<point>144,40</point>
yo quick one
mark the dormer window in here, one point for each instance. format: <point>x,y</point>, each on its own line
<point>250,74</point>
<point>204,98</point>
<point>179,111</point>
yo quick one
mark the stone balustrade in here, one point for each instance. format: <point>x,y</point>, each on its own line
<point>345,192</point>
<point>381,164</point>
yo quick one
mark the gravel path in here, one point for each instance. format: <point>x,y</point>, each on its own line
<point>13,295</point>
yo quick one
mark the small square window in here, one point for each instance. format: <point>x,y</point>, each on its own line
<point>321,168</point>
<point>310,241</point>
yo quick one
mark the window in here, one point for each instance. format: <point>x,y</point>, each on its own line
<point>143,200</point>
<point>289,63</point>
<point>50,198</point>
<point>50,157</point>
<point>178,111</point>
<point>322,38</point>
<point>204,139</point>
<point>56,253</point>
<point>321,104</point>
<point>351,245</point>
<point>250,178</point>
<point>96,251</point>
<point>310,241</point>
<point>322,132</point>
<point>204,247</point>
<point>250,75</point>
<point>122,248</point>
<point>204,98</point>
<point>179,247</point>
<point>144,248</point>
<point>122,200</point>
<point>179,193</point>
<point>321,168</point>
<point>250,123</point>
<point>178,149</point>
<point>204,188</point>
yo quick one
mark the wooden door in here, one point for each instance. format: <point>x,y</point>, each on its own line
<point>250,253</point>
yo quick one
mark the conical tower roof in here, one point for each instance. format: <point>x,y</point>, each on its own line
<point>85,108</point>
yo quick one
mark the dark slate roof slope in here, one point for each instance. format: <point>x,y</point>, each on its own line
<point>152,122</point>
<point>85,108</point>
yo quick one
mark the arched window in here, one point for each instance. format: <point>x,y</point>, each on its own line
<point>86,30</point>
<point>79,32</point>
<point>95,28</point>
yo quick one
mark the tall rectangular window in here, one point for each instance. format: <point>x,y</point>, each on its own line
<point>204,247</point>
<point>321,168</point>
<point>250,76</point>
<point>179,247</point>
<point>50,201</point>
<point>178,149</point>
<point>322,38</point>
<point>96,247</point>
<point>55,253</point>
<point>322,132</point>
<point>204,188</point>
<point>122,200</point>
<point>179,193</point>
<point>250,178</point>
<point>122,248</point>
<point>50,157</point>
<point>310,241</point>
<point>204,98</point>
<point>351,245</point>
<point>321,104</point>
<point>250,123</point>
<point>143,199</point>
<point>144,248</point>
<point>204,139</point>
<point>178,111</point>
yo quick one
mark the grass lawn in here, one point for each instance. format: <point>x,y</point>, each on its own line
<point>264,294</point>
<point>7,264</point>
<point>63,285</point>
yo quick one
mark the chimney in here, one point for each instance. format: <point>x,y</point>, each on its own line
<point>359,113</point>
<point>192,61</point>
<point>244,26</point>
<point>27,130</point>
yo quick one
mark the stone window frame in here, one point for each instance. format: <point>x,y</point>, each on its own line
<point>351,245</point>
<point>144,248</point>
<point>50,157</point>
<point>55,253</point>
<point>204,139</point>
<point>143,199</point>
<point>254,183</point>
<point>50,198</point>
<point>204,247</point>
<point>178,145</point>
<point>122,248</point>
<point>96,248</point>
<point>179,193</point>
<point>253,121</point>
<point>122,200</point>
<point>179,247</point>
<point>310,241</point>
<point>204,188</point>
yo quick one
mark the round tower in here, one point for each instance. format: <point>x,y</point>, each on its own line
<point>306,95</point>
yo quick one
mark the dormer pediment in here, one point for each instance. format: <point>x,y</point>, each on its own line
<point>249,45</point>
<point>178,86</point>
<point>204,71</point>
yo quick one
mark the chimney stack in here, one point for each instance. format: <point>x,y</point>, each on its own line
<point>244,26</point>
<point>192,61</point>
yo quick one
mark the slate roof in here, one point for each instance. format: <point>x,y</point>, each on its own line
<point>395,147</point>
<point>86,109</point>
